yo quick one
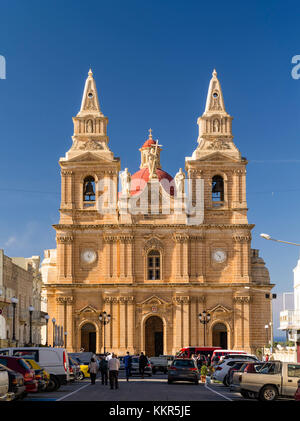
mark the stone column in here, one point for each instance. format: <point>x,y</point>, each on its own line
<point>108,327</point>
<point>242,322</point>
<point>65,258</point>
<point>130,324</point>
<point>186,321</point>
<point>129,257</point>
<point>177,327</point>
<point>123,324</point>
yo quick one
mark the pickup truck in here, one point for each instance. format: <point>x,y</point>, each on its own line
<point>4,385</point>
<point>274,379</point>
<point>161,363</point>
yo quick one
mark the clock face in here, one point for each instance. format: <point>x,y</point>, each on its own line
<point>88,256</point>
<point>219,256</point>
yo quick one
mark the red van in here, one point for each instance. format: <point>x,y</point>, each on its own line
<point>202,350</point>
<point>20,365</point>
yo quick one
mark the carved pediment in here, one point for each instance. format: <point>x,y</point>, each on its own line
<point>88,157</point>
<point>153,300</point>
<point>219,309</point>
<point>218,156</point>
<point>88,309</point>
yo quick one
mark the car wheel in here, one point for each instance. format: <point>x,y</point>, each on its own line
<point>226,381</point>
<point>53,384</point>
<point>268,393</point>
<point>196,382</point>
<point>170,381</point>
<point>81,376</point>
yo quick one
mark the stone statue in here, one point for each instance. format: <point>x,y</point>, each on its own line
<point>153,158</point>
<point>89,126</point>
<point>179,182</point>
<point>125,182</point>
<point>216,125</point>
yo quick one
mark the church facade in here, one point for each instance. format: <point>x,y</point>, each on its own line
<point>136,251</point>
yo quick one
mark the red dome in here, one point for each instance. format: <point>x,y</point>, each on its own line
<point>141,178</point>
<point>149,142</point>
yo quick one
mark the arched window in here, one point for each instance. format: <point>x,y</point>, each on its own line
<point>154,265</point>
<point>89,189</point>
<point>217,189</point>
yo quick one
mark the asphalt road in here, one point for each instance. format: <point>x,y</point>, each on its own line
<point>153,388</point>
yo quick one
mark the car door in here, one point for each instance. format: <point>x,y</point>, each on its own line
<point>290,379</point>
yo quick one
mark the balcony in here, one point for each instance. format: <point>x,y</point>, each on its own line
<point>290,320</point>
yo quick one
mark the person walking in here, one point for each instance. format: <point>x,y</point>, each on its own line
<point>103,366</point>
<point>128,364</point>
<point>208,361</point>
<point>113,367</point>
<point>93,369</point>
<point>143,361</point>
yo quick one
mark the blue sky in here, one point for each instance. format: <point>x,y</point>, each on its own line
<point>152,61</point>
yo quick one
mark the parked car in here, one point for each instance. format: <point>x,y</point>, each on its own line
<point>274,379</point>
<point>161,363</point>
<point>183,369</point>
<point>188,351</point>
<point>54,360</point>
<point>41,375</point>
<point>222,369</point>
<point>16,383</point>
<point>240,357</point>
<point>222,352</point>
<point>297,394</point>
<point>74,369</point>
<point>135,369</point>
<point>247,367</point>
<point>21,366</point>
<point>83,367</point>
<point>4,384</point>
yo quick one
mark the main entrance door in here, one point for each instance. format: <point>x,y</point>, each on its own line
<point>154,331</point>
<point>220,335</point>
<point>88,337</point>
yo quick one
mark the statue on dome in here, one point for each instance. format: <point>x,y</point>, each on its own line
<point>153,160</point>
<point>125,182</point>
<point>179,182</point>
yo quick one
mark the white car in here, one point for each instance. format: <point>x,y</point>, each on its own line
<point>222,369</point>
<point>54,360</point>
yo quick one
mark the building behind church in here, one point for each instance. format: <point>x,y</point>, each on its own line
<point>155,270</point>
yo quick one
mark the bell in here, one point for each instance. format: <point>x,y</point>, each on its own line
<point>217,186</point>
<point>89,189</point>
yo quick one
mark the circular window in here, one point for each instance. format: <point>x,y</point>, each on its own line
<point>90,95</point>
<point>215,94</point>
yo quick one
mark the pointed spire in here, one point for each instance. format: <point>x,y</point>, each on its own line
<point>214,101</point>
<point>90,102</point>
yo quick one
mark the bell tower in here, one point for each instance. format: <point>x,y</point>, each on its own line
<point>218,161</point>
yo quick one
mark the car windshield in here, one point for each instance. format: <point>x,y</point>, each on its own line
<point>183,363</point>
<point>28,354</point>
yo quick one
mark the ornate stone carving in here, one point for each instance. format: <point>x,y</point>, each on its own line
<point>180,238</point>
<point>153,243</point>
<point>181,300</point>
<point>218,144</point>
<point>241,238</point>
<point>62,300</point>
<point>242,299</point>
<point>110,238</point>
<point>64,239</point>
<point>66,172</point>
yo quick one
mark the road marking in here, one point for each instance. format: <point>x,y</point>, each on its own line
<point>64,397</point>
<point>223,396</point>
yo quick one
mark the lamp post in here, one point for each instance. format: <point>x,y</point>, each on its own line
<point>31,310</point>
<point>268,237</point>
<point>204,318</point>
<point>104,319</point>
<point>65,342</point>
<point>53,321</point>
<point>14,302</point>
<point>47,317</point>
<point>267,333</point>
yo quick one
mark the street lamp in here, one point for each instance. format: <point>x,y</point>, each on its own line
<point>204,318</point>
<point>47,317</point>
<point>31,310</point>
<point>268,237</point>
<point>65,342</point>
<point>53,321</point>
<point>267,333</point>
<point>104,319</point>
<point>14,302</point>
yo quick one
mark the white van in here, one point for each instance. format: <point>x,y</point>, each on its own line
<point>222,352</point>
<point>53,360</point>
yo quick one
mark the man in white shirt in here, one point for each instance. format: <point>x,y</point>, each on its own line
<point>113,367</point>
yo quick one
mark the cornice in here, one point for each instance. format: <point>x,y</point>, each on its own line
<point>152,226</point>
